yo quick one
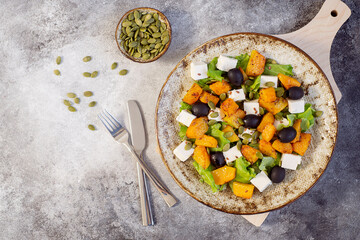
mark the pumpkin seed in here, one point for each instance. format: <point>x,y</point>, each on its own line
<point>255,135</point>
<point>226,147</point>
<point>131,16</point>
<point>158,45</point>
<point>138,22</point>
<point>137,55</point>
<point>71,109</point>
<point>123,72</point>
<point>57,72</point>
<point>211,105</point>
<point>269,84</point>
<point>87,59</point>
<point>126,24</point>
<point>136,14</point>
<point>92,104</point>
<point>208,150</point>
<point>279,116</point>
<point>94,74</point>
<point>244,89</point>
<point>254,145</point>
<point>58,60</point>
<point>248,82</point>
<point>228,134</point>
<point>223,96</point>
<point>260,137</point>
<point>133,44</point>
<point>88,94</point>
<point>91,127</point>
<point>245,141</point>
<point>152,40</point>
<point>241,122</point>
<point>67,103</point>
<point>211,122</point>
<point>146,56</point>
<point>238,145</point>
<point>156,16</point>
<point>154,29</point>
<point>114,65</point>
<point>318,113</point>
<point>156,35</point>
<point>279,91</point>
<point>77,100</point>
<point>259,155</point>
<point>246,136</point>
<point>261,110</point>
<point>165,40</point>
<point>214,115</point>
<point>71,95</point>
<point>87,74</point>
<point>241,129</point>
<point>147,17</point>
<point>193,146</point>
<point>251,95</point>
<point>188,146</point>
<point>251,78</point>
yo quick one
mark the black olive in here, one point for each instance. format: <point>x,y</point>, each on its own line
<point>200,109</point>
<point>286,135</point>
<point>251,121</point>
<point>277,174</point>
<point>235,77</point>
<point>296,93</point>
<point>217,159</point>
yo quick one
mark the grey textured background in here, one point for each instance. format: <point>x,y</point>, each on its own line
<point>58,180</point>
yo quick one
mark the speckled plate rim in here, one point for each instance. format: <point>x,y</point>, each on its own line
<point>157,132</point>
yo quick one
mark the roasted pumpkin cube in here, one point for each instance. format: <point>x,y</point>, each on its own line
<point>197,128</point>
<point>193,94</point>
<point>229,106</point>
<point>256,65</point>
<point>297,127</point>
<point>266,119</point>
<point>233,120</point>
<point>249,153</point>
<point>268,94</point>
<point>282,147</point>
<point>274,107</point>
<point>269,132</point>
<point>220,87</point>
<point>266,148</point>
<point>223,175</point>
<point>302,145</point>
<point>234,137</point>
<point>288,82</point>
<point>205,97</point>
<point>243,190</point>
<point>206,141</point>
<point>201,156</point>
<point>244,74</point>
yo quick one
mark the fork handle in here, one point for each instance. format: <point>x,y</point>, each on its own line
<point>164,192</point>
<point>146,213</point>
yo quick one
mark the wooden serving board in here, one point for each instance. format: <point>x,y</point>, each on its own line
<point>315,39</point>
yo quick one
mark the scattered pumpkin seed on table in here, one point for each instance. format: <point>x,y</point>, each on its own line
<point>114,65</point>
<point>87,59</point>
<point>57,72</point>
<point>87,74</point>
<point>88,94</point>
<point>123,72</point>
<point>92,104</point>
<point>71,109</point>
<point>71,95</point>
<point>67,103</point>
<point>58,60</point>
<point>91,127</point>
<point>94,74</point>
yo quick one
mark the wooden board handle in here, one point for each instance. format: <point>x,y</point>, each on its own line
<point>316,37</point>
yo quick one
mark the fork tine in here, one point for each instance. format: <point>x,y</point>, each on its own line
<point>107,124</point>
<point>113,119</point>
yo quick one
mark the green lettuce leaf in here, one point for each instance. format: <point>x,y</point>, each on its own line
<point>207,177</point>
<point>182,132</point>
<point>307,117</point>
<point>213,72</point>
<point>243,61</point>
<point>244,173</point>
<point>267,163</point>
<point>203,84</point>
<point>185,106</point>
<point>275,69</point>
<point>291,118</point>
<point>215,132</point>
<point>255,86</point>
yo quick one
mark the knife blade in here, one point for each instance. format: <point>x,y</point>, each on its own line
<point>138,141</point>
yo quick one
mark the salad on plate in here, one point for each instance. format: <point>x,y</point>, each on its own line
<point>243,122</point>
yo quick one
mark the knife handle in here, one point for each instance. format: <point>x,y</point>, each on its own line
<point>164,192</point>
<point>146,213</point>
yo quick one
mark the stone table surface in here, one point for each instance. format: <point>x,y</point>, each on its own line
<point>58,180</point>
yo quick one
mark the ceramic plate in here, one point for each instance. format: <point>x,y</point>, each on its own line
<point>317,91</point>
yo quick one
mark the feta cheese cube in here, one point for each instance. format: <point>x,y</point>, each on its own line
<point>248,131</point>
<point>219,117</point>
<point>283,121</point>
<point>265,79</point>
<point>181,153</point>
<point>296,106</point>
<point>198,70</point>
<point>237,95</point>
<point>290,161</point>
<point>185,118</point>
<point>232,154</point>
<point>261,181</point>
<point>226,63</point>
<point>252,107</point>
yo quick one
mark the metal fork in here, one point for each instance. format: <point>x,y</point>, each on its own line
<point>121,135</point>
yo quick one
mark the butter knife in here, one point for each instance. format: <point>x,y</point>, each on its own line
<point>139,141</point>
